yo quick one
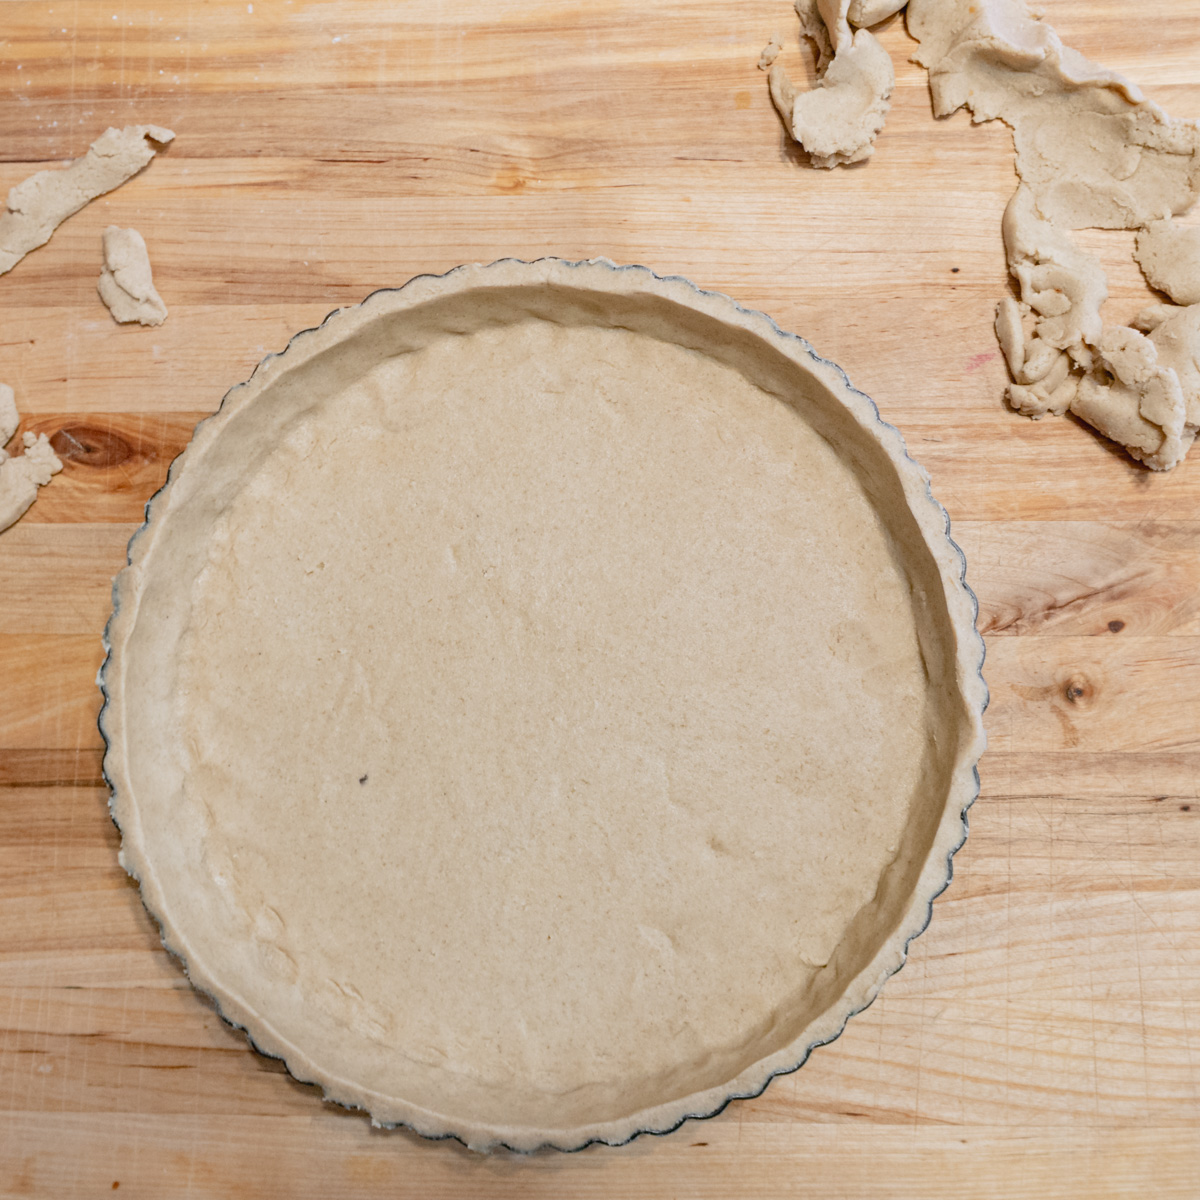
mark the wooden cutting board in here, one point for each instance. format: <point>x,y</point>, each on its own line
<point>1044,1039</point>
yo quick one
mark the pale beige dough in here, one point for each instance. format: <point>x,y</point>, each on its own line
<point>1169,255</point>
<point>1051,329</point>
<point>862,13</point>
<point>612,705</point>
<point>1092,149</point>
<point>838,119</point>
<point>833,14</point>
<point>1091,152</point>
<point>1175,333</point>
<point>37,206</point>
<point>1132,399</point>
<point>21,475</point>
<point>9,417</point>
<point>814,29</point>
<point>126,282</point>
<point>770,53</point>
<point>1064,286</point>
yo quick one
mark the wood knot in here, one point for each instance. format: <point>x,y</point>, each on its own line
<point>1116,626</point>
<point>1078,690</point>
<point>91,446</point>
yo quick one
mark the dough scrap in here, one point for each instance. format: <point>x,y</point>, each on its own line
<point>1131,398</point>
<point>836,121</point>
<point>1064,285</point>
<point>1091,152</point>
<point>813,27</point>
<point>770,52</point>
<point>9,420</point>
<point>21,475</point>
<point>1169,255</point>
<point>862,13</point>
<point>834,14</point>
<point>40,204</point>
<point>1094,151</point>
<point>126,283</point>
<point>1175,332</point>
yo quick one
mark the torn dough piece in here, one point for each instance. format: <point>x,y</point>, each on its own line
<point>834,14</point>
<point>1169,255</point>
<point>126,283</point>
<point>22,474</point>
<point>1063,285</point>
<point>38,205</point>
<point>1175,332</point>
<point>862,13</point>
<point>813,27</point>
<point>1131,398</point>
<point>1094,151</point>
<point>9,420</point>
<point>836,122</point>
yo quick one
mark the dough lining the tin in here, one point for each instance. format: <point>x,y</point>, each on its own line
<point>529,720</point>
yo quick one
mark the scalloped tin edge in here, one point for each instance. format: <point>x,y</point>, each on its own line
<point>977,705</point>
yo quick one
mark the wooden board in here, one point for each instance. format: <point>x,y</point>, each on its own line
<point>1044,1039</point>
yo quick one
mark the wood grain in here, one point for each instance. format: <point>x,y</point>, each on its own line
<point>1044,1039</point>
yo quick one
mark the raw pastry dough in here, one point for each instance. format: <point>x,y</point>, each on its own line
<point>770,52</point>
<point>813,27</point>
<point>126,283</point>
<point>1169,255</point>
<point>1132,399</point>
<point>23,474</point>
<point>9,418</point>
<point>41,203</point>
<point>1175,332</point>
<point>1093,150</point>
<point>615,702</point>
<point>836,121</point>
<point>862,13</point>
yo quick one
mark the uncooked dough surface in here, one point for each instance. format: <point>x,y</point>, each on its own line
<point>837,120</point>
<point>40,204</point>
<point>527,712</point>
<point>1169,255</point>
<point>21,475</point>
<point>126,281</point>
<point>864,13</point>
<point>1092,149</point>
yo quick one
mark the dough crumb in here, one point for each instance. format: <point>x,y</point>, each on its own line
<point>40,204</point>
<point>770,53</point>
<point>1169,255</point>
<point>837,121</point>
<point>862,13</point>
<point>126,282</point>
<point>21,475</point>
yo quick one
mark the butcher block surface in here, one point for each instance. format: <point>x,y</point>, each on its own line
<point>1044,1038</point>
